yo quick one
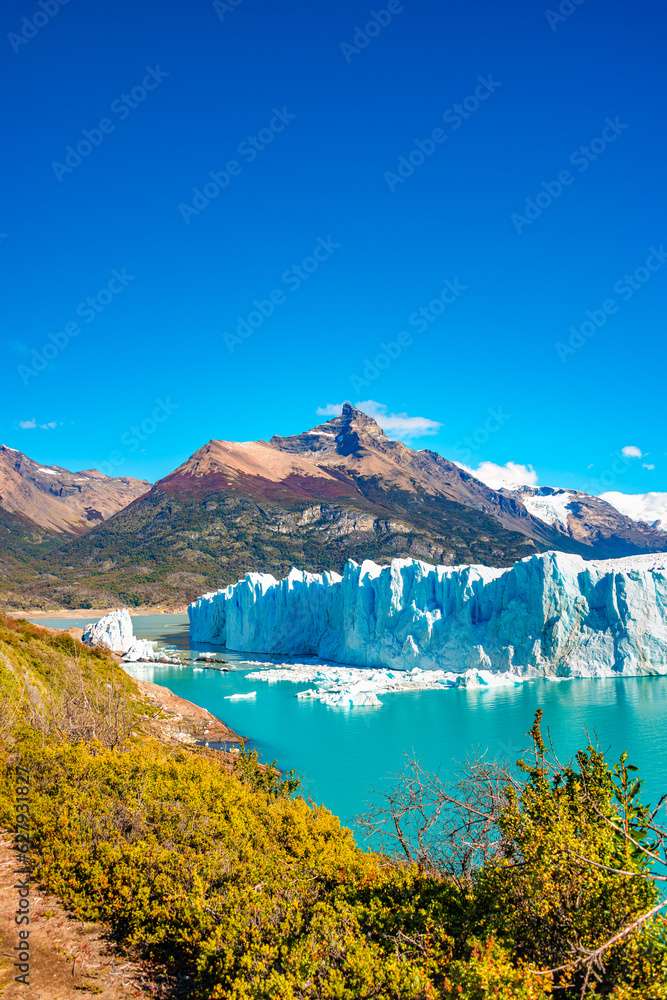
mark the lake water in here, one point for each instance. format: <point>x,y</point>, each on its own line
<point>347,759</point>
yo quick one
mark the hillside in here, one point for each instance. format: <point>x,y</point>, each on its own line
<point>41,508</point>
<point>208,865</point>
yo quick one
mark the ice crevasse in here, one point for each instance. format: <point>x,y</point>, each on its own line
<point>552,614</point>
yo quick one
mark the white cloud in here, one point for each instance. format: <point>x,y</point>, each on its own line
<point>649,466</point>
<point>509,476</point>
<point>399,425</point>
<point>32,425</point>
<point>632,451</point>
<point>330,410</point>
<point>648,507</point>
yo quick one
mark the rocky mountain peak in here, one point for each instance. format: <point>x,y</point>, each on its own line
<point>352,432</point>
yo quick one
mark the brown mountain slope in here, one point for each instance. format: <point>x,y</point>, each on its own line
<point>347,457</point>
<point>341,490</point>
<point>57,500</point>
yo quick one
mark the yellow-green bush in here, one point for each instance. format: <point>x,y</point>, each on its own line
<point>246,892</point>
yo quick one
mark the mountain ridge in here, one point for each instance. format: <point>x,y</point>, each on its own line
<point>58,500</point>
<point>340,490</point>
<point>342,456</point>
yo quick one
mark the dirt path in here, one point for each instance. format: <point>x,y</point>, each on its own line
<point>69,959</point>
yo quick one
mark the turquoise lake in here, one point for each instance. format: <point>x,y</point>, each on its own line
<point>348,759</point>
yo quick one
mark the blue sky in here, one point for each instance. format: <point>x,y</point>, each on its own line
<point>219,219</point>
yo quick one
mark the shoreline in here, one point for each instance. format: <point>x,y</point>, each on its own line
<point>92,612</point>
<point>186,722</point>
<point>182,721</point>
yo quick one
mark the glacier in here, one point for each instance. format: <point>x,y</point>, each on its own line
<point>553,614</point>
<point>113,631</point>
<point>116,633</point>
<point>549,505</point>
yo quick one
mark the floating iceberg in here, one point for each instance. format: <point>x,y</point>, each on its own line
<point>115,632</point>
<point>551,614</point>
<point>353,687</point>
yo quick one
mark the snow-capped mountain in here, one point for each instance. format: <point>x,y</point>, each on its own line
<point>592,521</point>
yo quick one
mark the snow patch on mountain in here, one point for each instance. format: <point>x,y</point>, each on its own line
<point>549,505</point>
<point>551,614</point>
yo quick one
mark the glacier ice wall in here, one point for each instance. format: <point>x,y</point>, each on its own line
<point>554,614</point>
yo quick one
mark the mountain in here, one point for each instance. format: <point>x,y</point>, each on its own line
<point>648,508</point>
<point>341,490</point>
<point>53,499</point>
<point>592,521</point>
<point>40,507</point>
<point>349,462</point>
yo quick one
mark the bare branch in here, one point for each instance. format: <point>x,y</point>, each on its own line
<point>595,954</point>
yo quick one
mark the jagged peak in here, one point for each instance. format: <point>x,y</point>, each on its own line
<point>347,433</point>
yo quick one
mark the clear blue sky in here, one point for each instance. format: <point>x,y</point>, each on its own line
<point>542,188</point>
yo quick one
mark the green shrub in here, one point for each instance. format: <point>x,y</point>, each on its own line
<point>246,892</point>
